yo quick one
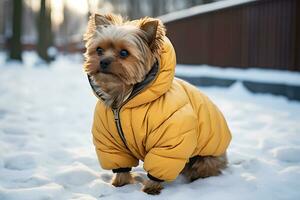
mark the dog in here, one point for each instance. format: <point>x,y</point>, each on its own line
<point>143,112</point>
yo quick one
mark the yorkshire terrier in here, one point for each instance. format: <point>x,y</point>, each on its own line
<point>123,60</point>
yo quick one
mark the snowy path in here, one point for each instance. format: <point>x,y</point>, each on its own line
<point>46,150</point>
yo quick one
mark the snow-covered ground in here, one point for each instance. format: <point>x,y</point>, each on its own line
<point>46,149</point>
<point>251,74</point>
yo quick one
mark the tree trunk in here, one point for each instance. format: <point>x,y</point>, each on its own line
<point>15,42</point>
<point>44,31</point>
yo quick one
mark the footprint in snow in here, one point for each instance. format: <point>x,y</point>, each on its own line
<point>100,188</point>
<point>2,113</point>
<point>21,161</point>
<point>14,131</point>
<point>1,163</point>
<point>287,154</point>
<point>49,191</point>
<point>33,181</point>
<point>79,196</point>
<point>106,177</point>
<point>75,175</point>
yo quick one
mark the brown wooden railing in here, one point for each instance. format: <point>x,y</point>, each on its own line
<point>262,33</point>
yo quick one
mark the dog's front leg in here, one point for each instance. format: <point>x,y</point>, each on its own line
<point>152,187</point>
<point>121,179</point>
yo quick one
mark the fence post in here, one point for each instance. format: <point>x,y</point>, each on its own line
<point>297,37</point>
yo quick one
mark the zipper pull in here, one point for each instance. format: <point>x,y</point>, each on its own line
<point>115,111</point>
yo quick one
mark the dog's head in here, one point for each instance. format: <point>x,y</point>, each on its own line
<point>119,51</point>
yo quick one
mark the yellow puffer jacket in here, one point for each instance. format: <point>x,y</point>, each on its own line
<point>164,123</point>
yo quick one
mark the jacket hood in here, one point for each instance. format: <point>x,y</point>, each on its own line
<point>157,82</point>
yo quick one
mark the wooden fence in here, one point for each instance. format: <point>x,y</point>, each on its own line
<point>262,34</point>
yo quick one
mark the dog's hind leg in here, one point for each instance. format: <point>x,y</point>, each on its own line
<point>204,166</point>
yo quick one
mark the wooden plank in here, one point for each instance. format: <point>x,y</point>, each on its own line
<point>263,34</point>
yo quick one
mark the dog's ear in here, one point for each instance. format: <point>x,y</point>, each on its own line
<point>107,19</point>
<point>101,20</point>
<point>97,20</point>
<point>150,29</point>
<point>155,32</point>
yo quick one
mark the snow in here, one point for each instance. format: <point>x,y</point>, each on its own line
<point>197,10</point>
<point>287,154</point>
<point>46,149</point>
<point>251,74</point>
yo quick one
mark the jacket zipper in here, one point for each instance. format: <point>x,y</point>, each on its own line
<point>119,127</point>
<point>116,112</point>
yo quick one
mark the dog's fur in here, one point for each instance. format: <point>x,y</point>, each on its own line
<point>203,167</point>
<point>143,39</point>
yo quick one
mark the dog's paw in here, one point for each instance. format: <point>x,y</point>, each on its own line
<point>152,187</point>
<point>122,179</point>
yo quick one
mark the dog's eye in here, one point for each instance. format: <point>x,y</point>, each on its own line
<point>99,51</point>
<point>123,53</point>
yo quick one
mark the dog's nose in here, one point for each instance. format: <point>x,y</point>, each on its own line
<point>104,64</point>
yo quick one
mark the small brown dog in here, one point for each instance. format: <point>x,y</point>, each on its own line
<point>143,113</point>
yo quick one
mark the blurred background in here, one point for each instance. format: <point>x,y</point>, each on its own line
<point>240,34</point>
<point>51,26</point>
